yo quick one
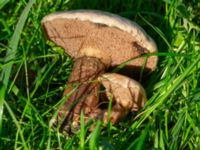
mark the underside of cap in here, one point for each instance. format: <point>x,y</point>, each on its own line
<point>118,37</point>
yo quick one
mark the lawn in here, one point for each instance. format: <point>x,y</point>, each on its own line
<point>34,71</point>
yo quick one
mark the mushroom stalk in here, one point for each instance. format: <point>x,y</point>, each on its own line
<point>85,70</point>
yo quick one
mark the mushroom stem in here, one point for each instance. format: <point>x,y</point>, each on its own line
<point>84,71</point>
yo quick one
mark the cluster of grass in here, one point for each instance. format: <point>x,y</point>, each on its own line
<point>34,72</point>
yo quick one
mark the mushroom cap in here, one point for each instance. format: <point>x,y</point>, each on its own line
<point>109,37</point>
<point>125,91</point>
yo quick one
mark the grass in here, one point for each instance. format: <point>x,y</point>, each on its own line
<point>34,72</point>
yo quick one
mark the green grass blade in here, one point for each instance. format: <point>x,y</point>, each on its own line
<point>109,115</point>
<point>11,52</point>
<point>17,124</point>
<point>3,3</point>
<point>178,125</point>
<point>2,93</point>
<point>142,139</point>
<point>82,132</point>
<point>139,143</point>
<point>94,139</point>
<point>157,31</point>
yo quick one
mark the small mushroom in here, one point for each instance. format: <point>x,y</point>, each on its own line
<point>96,40</point>
<point>126,93</point>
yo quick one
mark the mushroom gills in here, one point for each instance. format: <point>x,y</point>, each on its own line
<point>76,35</point>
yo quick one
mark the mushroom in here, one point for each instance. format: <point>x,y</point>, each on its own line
<point>126,93</point>
<point>97,41</point>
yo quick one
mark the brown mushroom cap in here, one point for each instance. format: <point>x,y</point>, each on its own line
<point>125,91</point>
<point>109,37</point>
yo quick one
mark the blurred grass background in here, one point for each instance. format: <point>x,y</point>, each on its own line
<point>34,72</point>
